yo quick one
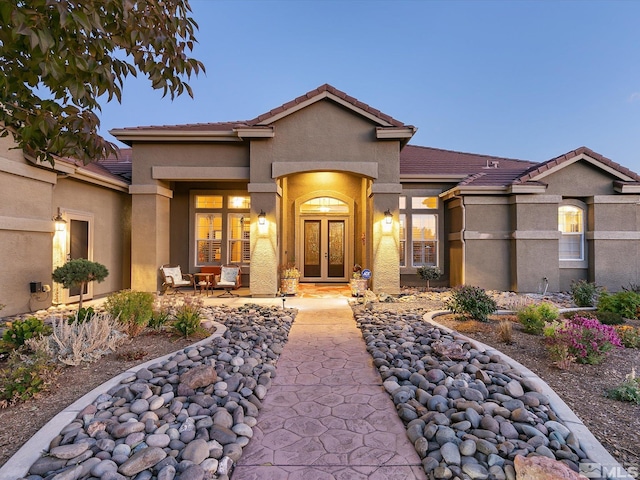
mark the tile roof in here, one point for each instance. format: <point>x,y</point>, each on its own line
<point>119,166</point>
<point>228,126</point>
<point>540,168</point>
<point>479,169</point>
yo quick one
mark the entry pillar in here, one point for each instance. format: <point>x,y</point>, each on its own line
<point>264,239</point>
<point>386,239</point>
<point>150,226</point>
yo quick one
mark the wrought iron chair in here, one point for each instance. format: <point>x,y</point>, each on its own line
<point>173,278</point>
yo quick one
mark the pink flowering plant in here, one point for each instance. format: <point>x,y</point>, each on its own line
<point>586,339</point>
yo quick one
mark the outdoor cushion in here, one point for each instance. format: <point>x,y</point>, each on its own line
<point>228,276</point>
<point>176,275</point>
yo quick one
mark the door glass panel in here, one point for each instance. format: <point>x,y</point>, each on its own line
<point>78,247</point>
<point>312,248</point>
<point>336,248</point>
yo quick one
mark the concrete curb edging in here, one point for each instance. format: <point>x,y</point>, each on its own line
<point>18,465</point>
<point>588,442</point>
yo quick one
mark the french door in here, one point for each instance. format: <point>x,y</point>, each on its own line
<point>324,249</point>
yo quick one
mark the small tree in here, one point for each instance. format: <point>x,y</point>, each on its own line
<point>78,273</point>
<point>429,273</point>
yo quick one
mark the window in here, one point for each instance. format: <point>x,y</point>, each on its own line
<point>221,228</point>
<point>208,201</point>
<point>403,240</point>
<point>208,237</point>
<point>239,246</point>
<point>424,239</point>
<point>236,202</point>
<point>418,203</point>
<point>571,225</point>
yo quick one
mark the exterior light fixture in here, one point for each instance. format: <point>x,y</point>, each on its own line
<point>262,217</point>
<point>61,223</point>
<point>388,217</point>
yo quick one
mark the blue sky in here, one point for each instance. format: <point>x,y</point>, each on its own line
<point>521,79</point>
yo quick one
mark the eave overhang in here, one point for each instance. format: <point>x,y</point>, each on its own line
<point>435,178</point>
<point>623,187</point>
<point>130,136</point>
<point>473,190</point>
<point>526,188</point>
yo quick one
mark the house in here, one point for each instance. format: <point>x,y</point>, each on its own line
<point>326,181</point>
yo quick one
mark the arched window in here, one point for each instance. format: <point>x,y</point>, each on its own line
<point>571,225</point>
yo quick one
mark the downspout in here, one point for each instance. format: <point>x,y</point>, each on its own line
<point>462,231</point>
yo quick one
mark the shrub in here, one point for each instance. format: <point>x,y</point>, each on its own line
<point>505,331</point>
<point>72,344</point>
<point>24,377</point>
<point>188,317</point>
<point>132,309</point>
<point>557,348</point>
<point>584,293</point>
<point>625,303</point>
<point>533,317</point>
<point>471,301</point>
<point>429,273</point>
<point>629,336</point>
<point>161,314</point>
<point>609,318</point>
<point>628,391</point>
<point>22,330</point>
<point>82,315</point>
<point>586,339</point>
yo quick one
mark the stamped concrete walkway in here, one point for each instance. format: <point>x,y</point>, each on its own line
<point>326,415</point>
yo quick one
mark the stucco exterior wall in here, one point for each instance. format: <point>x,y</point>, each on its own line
<point>29,198</point>
<point>580,179</point>
<point>111,211</point>
<point>487,239</point>
<point>26,228</point>
<point>185,158</point>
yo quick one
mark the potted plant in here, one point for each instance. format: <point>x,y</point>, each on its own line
<point>358,284</point>
<point>289,277</point>
<point>429,272</point>
<point>79,272</point>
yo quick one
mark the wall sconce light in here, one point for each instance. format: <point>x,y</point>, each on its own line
<point>61,223</point>
<point>262,217</point>
<point>388,217</point>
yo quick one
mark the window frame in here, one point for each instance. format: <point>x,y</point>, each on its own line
<point>424,241</point>
<point>226,212</point>
<point>407,212</point>
<point>574,262</point>
<point>244,240</point>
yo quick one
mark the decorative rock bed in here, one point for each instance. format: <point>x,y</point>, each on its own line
<point>467,413</point>
<point>186,418</point>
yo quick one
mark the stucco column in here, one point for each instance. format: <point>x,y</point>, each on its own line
<point>150,226</point>
<point>386,245</point>
<point>264,240</point>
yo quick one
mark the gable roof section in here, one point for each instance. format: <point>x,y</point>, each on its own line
<point>261,126</point>
<point>332,93</point>
<point>541,170</point>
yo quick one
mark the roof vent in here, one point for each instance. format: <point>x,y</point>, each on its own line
<point>493,164</point>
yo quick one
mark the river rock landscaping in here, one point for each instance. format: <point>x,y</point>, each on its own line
<point>188,417</point>
<point>467,413</point>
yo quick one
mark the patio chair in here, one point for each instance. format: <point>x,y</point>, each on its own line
<point>229,280</point>
<point>173,278</point>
